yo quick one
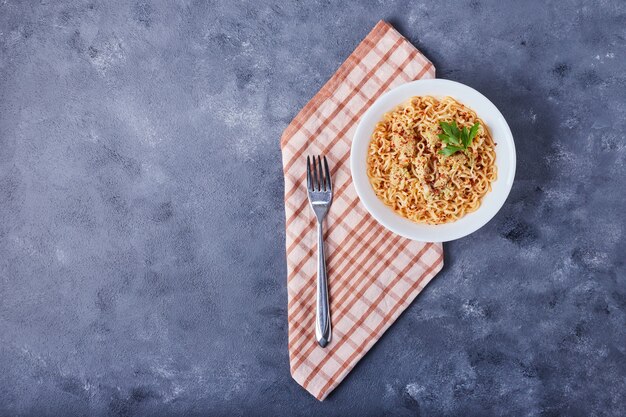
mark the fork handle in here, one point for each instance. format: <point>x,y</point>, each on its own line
<point>323,330</point>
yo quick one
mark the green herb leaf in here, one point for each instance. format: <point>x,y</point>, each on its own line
<point>455,129</point>
<point>464,137</point>
<point>449,136</point>
<point>473,132</point>
<point>447,128</point>
<point>456,140</point>
<point>450,149</point>
<point>444,138</point>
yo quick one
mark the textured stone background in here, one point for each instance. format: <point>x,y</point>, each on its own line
<point>142,265</point>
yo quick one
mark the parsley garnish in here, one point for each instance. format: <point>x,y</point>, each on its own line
<point>455,139</point>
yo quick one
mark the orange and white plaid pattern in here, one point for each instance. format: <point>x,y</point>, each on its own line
<point>373,274</point>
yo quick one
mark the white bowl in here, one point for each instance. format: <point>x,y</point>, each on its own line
<point>491,202</point>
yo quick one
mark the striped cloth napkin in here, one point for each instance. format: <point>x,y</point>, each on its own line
<point>373,274</point>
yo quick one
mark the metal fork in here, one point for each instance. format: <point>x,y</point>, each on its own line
<point>320,191</point>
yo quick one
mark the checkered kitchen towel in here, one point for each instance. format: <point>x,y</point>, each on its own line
<point>373,274</point>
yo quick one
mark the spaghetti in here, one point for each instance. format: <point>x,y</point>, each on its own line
<point>409,174</point>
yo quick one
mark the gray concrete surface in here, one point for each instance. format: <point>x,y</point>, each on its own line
<point>142,265</point>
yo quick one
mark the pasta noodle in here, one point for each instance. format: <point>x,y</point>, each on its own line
<point>410,176</point>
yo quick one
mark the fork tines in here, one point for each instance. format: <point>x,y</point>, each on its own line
<point>320,179</point>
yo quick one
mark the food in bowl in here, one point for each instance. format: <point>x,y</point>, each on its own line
<point>431,161</point>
